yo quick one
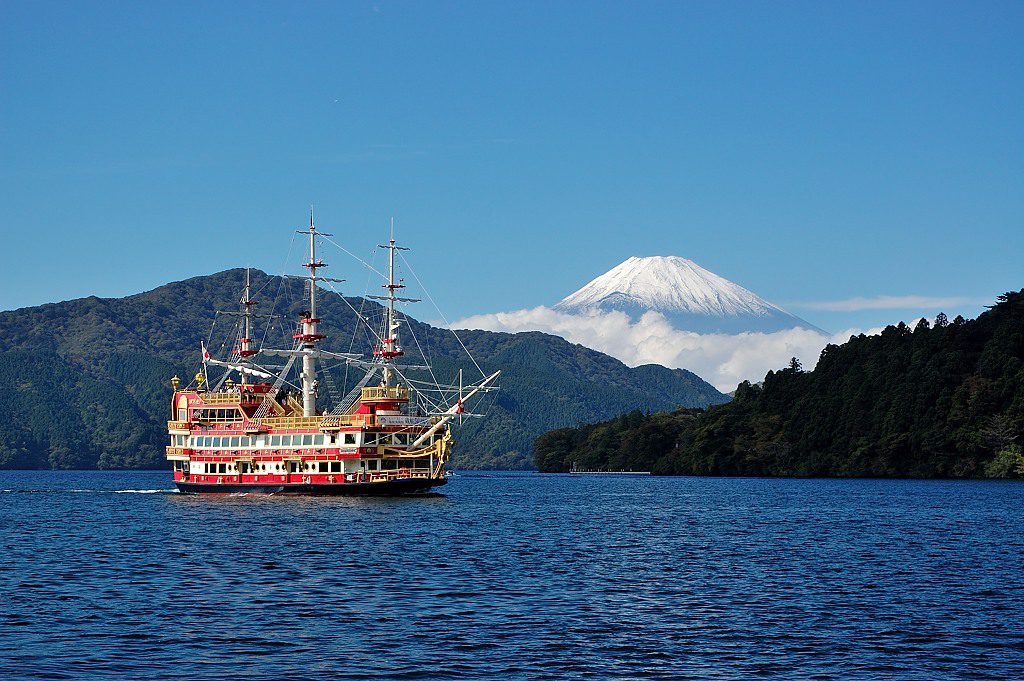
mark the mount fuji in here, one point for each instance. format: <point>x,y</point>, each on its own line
<point>690,297</point>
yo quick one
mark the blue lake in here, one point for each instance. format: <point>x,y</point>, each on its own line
<point>109,575</point>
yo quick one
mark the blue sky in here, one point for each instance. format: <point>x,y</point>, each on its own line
<point>812,152</point>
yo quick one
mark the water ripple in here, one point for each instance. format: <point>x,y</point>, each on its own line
<point>112,575</point>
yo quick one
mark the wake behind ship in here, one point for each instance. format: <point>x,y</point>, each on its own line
<point>258,428</point>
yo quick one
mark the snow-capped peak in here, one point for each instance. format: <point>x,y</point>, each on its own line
<point>667,284</point>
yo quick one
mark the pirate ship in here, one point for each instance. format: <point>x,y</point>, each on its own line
<point>258,428</point>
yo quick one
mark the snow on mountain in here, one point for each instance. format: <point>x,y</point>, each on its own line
<point>689,296</point>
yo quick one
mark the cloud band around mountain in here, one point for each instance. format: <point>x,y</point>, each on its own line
<point>721,359</point>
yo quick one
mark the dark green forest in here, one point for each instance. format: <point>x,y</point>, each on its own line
<point>85,383</point>
<point>944,399</point>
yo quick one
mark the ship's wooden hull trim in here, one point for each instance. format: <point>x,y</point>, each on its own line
<point>396,487</point>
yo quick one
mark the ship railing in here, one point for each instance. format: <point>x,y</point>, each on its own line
<point>395,392</point>
<point>175,451</point>
<point>292,421</point>
<point>222,398</point>
<point>311,421</point>
<point>401,474</point>
<point>335,421</point>
<point>177,425</point>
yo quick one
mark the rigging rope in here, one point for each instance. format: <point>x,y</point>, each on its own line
<point>445,319</point>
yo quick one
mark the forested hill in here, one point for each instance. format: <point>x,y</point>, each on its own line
<point>85,383</point>
<point>939,400</point>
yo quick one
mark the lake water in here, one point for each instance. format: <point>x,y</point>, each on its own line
<point>108,575</point>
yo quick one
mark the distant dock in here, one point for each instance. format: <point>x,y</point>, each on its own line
<point>575,471</point>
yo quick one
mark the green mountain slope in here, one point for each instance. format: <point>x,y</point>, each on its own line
<point>934,401</point>
<point>84,383</point>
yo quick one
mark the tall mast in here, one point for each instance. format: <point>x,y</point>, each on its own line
<point>309,334</point>
<point>245,350</point>
<point>389,344</point>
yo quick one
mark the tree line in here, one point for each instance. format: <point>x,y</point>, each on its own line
<point>942,399</point>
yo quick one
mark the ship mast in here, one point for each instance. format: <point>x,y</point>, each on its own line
<point>245,350</point>
<point>389,344</point>
<point>308,335</point>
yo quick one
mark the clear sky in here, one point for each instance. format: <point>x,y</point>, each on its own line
<point>812,152</point>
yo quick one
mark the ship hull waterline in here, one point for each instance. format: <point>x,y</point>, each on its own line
<point>391,488</point>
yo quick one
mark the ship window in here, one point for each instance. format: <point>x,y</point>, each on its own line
<point>389,464</point>
<point>293,466</point>
<point>183,414</point>
<point>350,438</point>
<point>318,440</point>
<point>371,465</point>
<point>243,467</point>
<point>400,439</point>
<point>323,466</point>
<point>286,440</point>
<point>275,440</point>
<point>216,442</point>
<point>307,440</point>
<point>334,439</point>
<point>235,441</point>
<point>222,468</point>
<point>371,439</point>
<point>335,466</point>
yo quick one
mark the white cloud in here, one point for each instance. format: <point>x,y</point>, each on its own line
<point>890,303</point>
<point>722,360</point>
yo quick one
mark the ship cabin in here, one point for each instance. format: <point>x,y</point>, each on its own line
<point>243,434</point>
